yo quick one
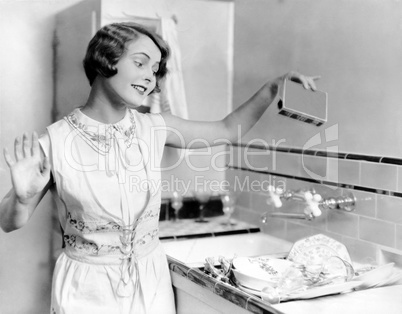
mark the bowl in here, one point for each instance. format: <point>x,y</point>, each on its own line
<point>259,272</point>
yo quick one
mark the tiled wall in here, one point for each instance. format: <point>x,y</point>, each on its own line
<point>372,232</point>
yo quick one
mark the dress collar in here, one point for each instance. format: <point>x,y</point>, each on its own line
<point>98,134</point>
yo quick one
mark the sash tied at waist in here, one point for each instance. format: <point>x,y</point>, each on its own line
<point>127,256</point>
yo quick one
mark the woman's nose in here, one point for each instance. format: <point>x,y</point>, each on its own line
<point>148,75</point>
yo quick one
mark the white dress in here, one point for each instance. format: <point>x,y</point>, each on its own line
<point>107,188</point>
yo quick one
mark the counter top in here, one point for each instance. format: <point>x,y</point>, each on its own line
<point>187,228</point>
<point>385,300</point>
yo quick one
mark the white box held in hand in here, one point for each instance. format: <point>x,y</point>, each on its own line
<point>302,104</point>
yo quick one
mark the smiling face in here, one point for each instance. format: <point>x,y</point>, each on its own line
<point>136,73</point>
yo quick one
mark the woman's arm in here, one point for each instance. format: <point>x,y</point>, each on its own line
<point>196,134</point>
<point>30,175</point>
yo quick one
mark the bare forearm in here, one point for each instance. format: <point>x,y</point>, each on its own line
<point>13,213</point>
<point>201,134</point>
<point>250,112</point>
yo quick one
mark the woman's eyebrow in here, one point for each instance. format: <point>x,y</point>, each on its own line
<point>141,53</point>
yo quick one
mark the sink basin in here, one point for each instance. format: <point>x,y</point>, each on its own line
<point>193,252</point>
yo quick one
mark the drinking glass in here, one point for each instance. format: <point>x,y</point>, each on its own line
<point>202,197</point>
<point>228,205</point>
<point>177,203</point>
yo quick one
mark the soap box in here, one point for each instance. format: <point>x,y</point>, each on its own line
<point>302,104</point>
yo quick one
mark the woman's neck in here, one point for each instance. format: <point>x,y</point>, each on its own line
<point>100,108</point>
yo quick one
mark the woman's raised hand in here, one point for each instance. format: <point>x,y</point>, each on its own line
<point>29,173</point>
<point>308,82</point>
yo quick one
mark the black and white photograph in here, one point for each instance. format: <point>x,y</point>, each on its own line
<point>200,156</point>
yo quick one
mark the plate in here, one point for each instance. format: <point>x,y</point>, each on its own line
<point>311,293</point>
<point>392,280</point>
<point>259,272</point>
<point>316,249</point>
<point>325,290</point>
<point>374,277</point>
<point>249,290</point>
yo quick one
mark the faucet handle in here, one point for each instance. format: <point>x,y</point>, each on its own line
<point>313,202</point>
<point>274,196</point>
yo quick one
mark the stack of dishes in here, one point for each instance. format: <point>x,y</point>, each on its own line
<point>259,272</point>
<point>317,253</point>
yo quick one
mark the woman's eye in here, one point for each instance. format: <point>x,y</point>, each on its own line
<point>138,64</point>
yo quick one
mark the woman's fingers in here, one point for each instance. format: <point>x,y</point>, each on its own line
<point>23,148</point>
<point>315,78</point>
<point>311,83</point>
<point>308,82</point>
<point>35,144</point>
<point>7,157</point>
<point>311,80</point>
<point>26,146</point>
<point>18,149</point>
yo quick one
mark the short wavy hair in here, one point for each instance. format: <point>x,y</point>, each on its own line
<point>109,44</point>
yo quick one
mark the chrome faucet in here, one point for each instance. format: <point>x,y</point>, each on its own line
<point>314,203</point>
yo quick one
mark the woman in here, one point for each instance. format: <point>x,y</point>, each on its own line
<point>113,261</point>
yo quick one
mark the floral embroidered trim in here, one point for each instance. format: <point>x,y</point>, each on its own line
<point>82,245</point>
<point>100,140</point>
<point>151,235</point>
<point>90,227</point>
<point>148,214</point>
<point>88,247</point>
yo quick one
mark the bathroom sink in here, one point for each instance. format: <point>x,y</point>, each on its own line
<point>193,252</point>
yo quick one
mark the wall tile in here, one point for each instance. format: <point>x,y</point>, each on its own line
<point>245,157</point>
<point>260,160</point>
<point>332,170</point>
<point>247,181</point>
<point>399,178</point>
<point>275,227</point>
<point>343,223</point>
<point>235,156</point>
<point>244,199</point>
<point>259,203</point>
<point>295,231</point>
<point>231,174</point>
<point>358,230</point>
<point>327,191</point>
<point>332,235</point>
<point>287,163</point>
<point>319,222</point>
<point>398,237</point>
<point>365,203</point>
<point>244,214</point>
<point>343,171</point>
<point>377,231</point>
<point>389,208</point>
<point>360,251</point>
<point>378,176</point>
<point>314,167</point>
